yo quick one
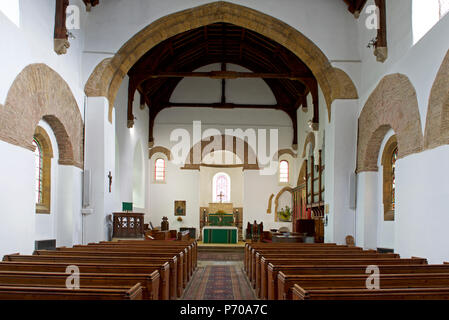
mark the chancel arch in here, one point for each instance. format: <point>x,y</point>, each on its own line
<point>108,75</point>
<point>245,156</point>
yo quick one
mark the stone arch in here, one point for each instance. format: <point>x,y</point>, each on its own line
<point>281,152</point>
<point>270,200</point>
<point>39,92</point>
<point>392,105</point>
<point>276,200</point>
<point>309,139</point>
<point>108,75</point>
<point>437,122</point>
<point>302,177</point>
<point>160,149</point>
<point>248,152</point>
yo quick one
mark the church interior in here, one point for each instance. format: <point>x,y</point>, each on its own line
<point>224,150</point>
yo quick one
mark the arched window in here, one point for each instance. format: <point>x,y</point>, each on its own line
<point>42,167</point>
<point>221,188</point>
<point>38,170</point>
<point>284,171</point>
<point>159,170</point>
<point>389,158</point>
<point>394,157</point>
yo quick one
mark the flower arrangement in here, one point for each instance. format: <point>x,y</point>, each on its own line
<point>285,214</point>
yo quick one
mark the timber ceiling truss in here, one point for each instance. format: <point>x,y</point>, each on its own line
<point>160,70</point>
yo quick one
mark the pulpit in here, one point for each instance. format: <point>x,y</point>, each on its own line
<point>128,225</point>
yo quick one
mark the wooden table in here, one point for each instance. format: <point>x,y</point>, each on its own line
<point>128,225</point>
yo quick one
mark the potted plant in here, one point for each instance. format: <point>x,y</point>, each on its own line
<point>285,215</point>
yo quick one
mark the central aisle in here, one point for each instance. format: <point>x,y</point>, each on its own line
<point>219,276</point>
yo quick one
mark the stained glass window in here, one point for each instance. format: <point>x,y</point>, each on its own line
<point>283,171</point>
<point>159,170</point>
<point>222,188</point>
<point>38,170</point>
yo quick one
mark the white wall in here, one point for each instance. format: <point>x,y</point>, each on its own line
<point>128,140</point>
<point>31,41</point>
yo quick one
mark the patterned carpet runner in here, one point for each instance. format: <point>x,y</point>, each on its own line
<point>225,282</point>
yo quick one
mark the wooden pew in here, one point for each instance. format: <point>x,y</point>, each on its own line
<point>326,262</point>
<point>164,266</point>
<point>182,265</point>
<point>256,256</point>
<point>150,282</point>
<point>273,271</point>
<point>191,246</point>
<point>54,293</point>
<point>175,280</point>
<point>183,257</point>
<point>261,272</point>
<point>253,251</point>
<point>387,281</point>
<point>249,247</point>
<point>365,294</point>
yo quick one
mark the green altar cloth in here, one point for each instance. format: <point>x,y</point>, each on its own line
<point>221,219</point>
<point>220,235</point>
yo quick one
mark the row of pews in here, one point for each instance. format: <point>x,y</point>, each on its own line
<point>327,271</point>
<point>123,270</point>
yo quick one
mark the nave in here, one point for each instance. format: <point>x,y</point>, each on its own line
<point>171,270</point>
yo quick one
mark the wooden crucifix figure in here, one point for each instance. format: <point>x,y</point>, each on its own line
<point>110,181</point>
<point>221,196</point>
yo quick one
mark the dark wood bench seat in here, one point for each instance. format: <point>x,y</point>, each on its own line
<point>55,293</point>
<point>261,271</point>
<point>90,264</point>
<point>387,281</point>
<point>273,270</point>
<point>176,276</point>
<point>365,294</point>
<point>150,282</point>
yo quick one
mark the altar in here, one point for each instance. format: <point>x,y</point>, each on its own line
<point>220,223</point>
<point>222,235</point>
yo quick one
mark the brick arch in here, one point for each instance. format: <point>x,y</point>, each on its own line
<point>437,122</point>
<point>160,149</point>
<point>248,152</point>
<point>309,139</point>
<point>39,92</point>
<point>392,105</point>
<point>109,74</point>
<point>276,200</point>
<point>302,177</point>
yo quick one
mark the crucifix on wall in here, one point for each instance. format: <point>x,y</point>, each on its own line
<point>221,196</point>
<point>110,181</point>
